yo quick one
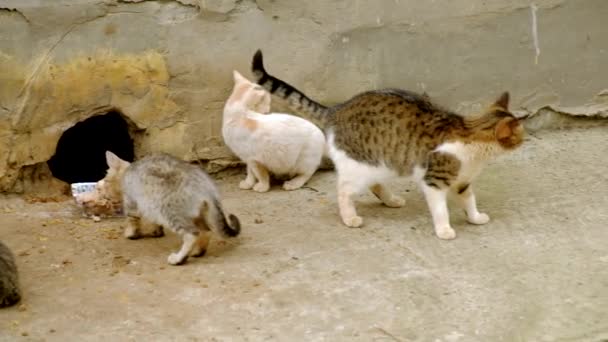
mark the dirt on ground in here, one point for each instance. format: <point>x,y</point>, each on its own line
<point>537,272</point>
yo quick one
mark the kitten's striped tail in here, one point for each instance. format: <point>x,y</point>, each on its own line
<point>229,227</point>
<point>232,226</point>
<point>212,216</point>
<point>314,111</point>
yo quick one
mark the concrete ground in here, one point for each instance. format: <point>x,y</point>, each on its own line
<point>537,272</point>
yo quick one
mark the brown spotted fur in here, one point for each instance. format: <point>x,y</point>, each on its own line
<point>401,131</point>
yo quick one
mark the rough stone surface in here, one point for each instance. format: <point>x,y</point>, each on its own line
<point>166,64</point>
<point>536,272</point>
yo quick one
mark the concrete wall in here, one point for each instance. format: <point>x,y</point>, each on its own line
<point>167,64</point>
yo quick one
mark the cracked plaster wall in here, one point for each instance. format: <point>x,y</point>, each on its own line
<point>166,65</point>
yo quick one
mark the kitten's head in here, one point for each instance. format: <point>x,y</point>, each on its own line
<point>506,129</point>
<point>112,181</point>
<point>251,95</point>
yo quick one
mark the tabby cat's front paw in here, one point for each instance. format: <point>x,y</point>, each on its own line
<point>176,259</point>
<point>480,218</point>
<point>261,187</point>
<point>353,221</point>
<point>445,233</point>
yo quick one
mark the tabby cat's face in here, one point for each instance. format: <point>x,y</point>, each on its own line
<point>510,133</point>
<point>508,130</point>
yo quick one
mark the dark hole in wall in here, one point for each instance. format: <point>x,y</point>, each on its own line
<point>80,154</point>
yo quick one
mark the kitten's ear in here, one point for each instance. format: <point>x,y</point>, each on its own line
<point>237,77</point>
<point>114,162</point>
<point>503,101</point>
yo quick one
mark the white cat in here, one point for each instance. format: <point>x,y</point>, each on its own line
<point>282,144</point>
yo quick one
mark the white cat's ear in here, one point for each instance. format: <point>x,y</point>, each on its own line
<point>114,162</point>
<point>237,76</point>
<point>264,106</point>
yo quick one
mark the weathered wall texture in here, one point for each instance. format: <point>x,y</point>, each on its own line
<point>166,65</point>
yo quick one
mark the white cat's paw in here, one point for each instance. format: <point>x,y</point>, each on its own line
<point>480,218</point>
<point>445,233</point>
<point>395,202</point>
<point>353,222</point>
<point>245,185</point>
<point>260,187</point>
<point>291,186</point>
<point>175,259</point>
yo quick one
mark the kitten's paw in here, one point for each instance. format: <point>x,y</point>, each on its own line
<point>158,232</point>
<point>353,222</point>
<point>480,218</point>
<point>197,253</point>
<point>395,202</point>
<point>176,259</point>
<point>132,233</point>
<point>445,233</point>
<point>261,187</point>
<point>245,185</point>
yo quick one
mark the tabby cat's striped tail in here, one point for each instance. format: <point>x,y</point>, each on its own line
<point>298,101</point>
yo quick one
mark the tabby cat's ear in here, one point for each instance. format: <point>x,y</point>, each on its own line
<point>503,101</point>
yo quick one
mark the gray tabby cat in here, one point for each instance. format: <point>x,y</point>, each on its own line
<point>159,191</point>
<point>9,282</point>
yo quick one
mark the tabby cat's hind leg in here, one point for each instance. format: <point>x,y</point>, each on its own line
<point>386,196</point>
<point>348,212</point>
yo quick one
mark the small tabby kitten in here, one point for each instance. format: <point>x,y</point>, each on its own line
<point>379,135</point>
<point>9,281</point>
<point>159,191</point>
<point>282,144</point>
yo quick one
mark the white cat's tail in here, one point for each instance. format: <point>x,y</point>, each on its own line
<point>297,100</point>
<point>213,217</point>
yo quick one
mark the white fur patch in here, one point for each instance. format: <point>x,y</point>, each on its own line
<point>473,157</point>
<point>356,175</point>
